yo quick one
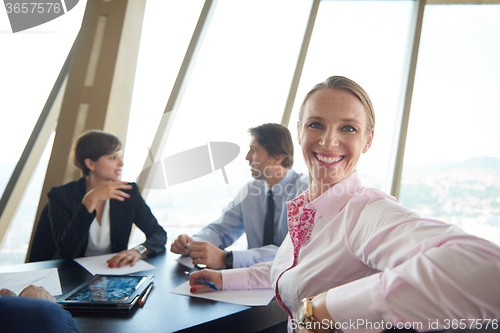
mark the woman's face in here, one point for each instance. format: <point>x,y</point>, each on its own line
<point>109,167</point>
<point>333,134</point>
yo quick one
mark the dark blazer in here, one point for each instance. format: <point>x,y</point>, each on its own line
<point>22,314</point>
<point>70,220</point>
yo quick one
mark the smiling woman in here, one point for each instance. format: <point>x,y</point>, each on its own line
<point>241,78</point>
<point>335,127</point>
<point>354,252</point>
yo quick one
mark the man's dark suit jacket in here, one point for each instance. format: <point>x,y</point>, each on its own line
<point>70,220</point>
<point>23,315</point>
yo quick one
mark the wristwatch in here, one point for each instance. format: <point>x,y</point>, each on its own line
<point>228,259</point>
<point>141,249</point>
<point>307,320</point>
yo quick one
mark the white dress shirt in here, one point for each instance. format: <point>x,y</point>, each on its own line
<point>382,265</point>
<point>99,234</point>
<point>248,217</point>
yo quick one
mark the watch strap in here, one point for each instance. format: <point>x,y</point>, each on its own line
<point>228,259</point>
<point>141,249</point>
<point>309,320</point>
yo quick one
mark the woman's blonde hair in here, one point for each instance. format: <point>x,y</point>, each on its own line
<point>343,83</point>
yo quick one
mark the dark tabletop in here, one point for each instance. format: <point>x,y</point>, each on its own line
<point>163,311</point>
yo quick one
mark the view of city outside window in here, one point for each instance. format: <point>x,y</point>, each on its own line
<point>30,62</point>
<point>452,160</point>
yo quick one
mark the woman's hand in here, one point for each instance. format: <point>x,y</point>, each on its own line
<point>124,257</point>
<point>109,190</point>
<point>205,274</point>
<point>30,291</point>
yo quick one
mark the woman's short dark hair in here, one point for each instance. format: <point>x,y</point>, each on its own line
<point>93,144</point>
<point>276,139</point>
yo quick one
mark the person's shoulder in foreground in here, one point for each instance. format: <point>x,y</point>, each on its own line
<point>34,310</point>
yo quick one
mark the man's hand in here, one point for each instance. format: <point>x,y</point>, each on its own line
<point>206,253</point>
<point>180,245</point>
<point>7,293</point>
<point>30,291</point>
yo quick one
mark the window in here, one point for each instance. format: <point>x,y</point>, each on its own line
<point>18,235</point>
<point>242,77</point>
<point>452,162</point>
<point>240,80</point>
<point>367,41</point>
<point>30,63</point>
<point>166,32</point>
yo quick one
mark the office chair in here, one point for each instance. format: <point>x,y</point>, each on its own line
<point>43,246</point>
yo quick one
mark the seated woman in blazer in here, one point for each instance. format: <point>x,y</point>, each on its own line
<point>94,214</point>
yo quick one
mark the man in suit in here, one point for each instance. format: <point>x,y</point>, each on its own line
<point>34,310</point>
<point>275,182</point>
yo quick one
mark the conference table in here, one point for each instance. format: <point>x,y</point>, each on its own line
<point>163,311</point>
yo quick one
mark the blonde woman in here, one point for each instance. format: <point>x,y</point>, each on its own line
<point>354,258</point>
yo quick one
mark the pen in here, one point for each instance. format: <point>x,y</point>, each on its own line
<point>144,297</point>
<point>205,282</point>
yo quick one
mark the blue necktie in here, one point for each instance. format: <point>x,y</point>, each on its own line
<point>269,221</point>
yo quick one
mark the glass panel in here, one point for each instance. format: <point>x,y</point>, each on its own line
<point>241,79</point>
<point>452,162</point>
<point>18,235</point>
<point>30,63</point>
<point>367,41</point>
<point>166,32</point>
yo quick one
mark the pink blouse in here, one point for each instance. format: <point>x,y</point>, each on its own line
<point>382,265</point>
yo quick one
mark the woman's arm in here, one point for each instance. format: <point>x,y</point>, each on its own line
<point>429,272</point>
<point>254,277</point>
<point>72,211</point>
<point>69,228</point>
<point>156,237</point>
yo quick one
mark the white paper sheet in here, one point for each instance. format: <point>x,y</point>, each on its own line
<point>47,278</point>
<point>256,297</point>
<point>98,265</point>
<point>186,261</point>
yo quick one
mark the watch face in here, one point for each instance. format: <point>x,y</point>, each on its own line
<point>228,259</point>
<point>141,249</point>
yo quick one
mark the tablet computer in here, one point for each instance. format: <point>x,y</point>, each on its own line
<point>117,293</point>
